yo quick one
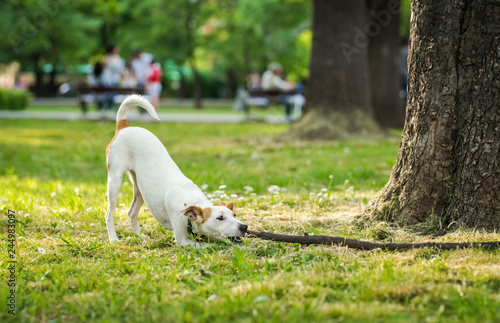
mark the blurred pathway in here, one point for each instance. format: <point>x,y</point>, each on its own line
<point>110,116</point>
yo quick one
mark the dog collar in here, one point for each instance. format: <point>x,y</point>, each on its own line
<point>190,228</point>
<point>191,233</point>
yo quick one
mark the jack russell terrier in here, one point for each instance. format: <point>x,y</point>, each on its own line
<point>173,199</point>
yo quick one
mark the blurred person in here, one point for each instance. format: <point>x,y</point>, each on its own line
<point>114,63</point>
<point>253,81</point>
<point>128,76</point>
<point>140,68</point>
<point>272,79</point>
<point>153,83</point>
<point>101,77</point>
<point>22,81</point>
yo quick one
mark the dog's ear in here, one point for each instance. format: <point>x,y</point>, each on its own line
<point>229,205</point>
<point>197,214</point>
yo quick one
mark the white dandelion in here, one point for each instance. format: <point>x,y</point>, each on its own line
<point>273,189</point>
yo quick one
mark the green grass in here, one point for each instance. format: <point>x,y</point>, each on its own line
<point>53,175</point>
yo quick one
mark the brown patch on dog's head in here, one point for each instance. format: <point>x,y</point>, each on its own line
<point>197,214</point>
<point>229,205</point>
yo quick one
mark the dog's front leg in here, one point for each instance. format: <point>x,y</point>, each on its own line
<point>184,240</point>
<point>193,244</point>
<point>182,236</point>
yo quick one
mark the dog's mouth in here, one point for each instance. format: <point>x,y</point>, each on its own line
<point>237,240</point>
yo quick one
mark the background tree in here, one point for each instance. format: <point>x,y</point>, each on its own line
<point>247,35</point>
<point>224,39</point>
<point>338,91</point>
<point>448,167</point>
<point>384,62</point>
<point>34,36</point>
<point>173,31</point>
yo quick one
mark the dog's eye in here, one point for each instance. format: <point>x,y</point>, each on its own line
<point>220,217</point>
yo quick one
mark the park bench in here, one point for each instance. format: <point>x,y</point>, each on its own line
<point>86,94</point>
<point>247,98</point>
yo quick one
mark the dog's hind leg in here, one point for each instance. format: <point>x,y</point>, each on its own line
<point>114,182</point>
<point>135,207</point>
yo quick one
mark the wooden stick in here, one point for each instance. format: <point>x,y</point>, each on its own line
<point>366,245</point>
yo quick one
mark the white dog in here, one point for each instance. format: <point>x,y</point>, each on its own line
<point>173,199</point>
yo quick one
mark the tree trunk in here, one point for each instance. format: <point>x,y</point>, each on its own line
<point>384,57</point>
<point>104,35</point>
<point>198,104</point>
<point>230,86</point>
<point>38,87</point>
<point>190,25</point>
<point>247,57</point>
<point>51,85</point>
<point>338,91</point>
<point>182,92</point>
<point>448,167</point>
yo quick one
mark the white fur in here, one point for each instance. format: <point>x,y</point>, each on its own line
<point>134,101</point>
<point>160,184</point>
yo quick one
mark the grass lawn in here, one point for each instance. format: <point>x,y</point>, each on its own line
<point>53,175</point>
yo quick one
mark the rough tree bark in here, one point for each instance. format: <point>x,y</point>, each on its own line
<point>448,167</point>
<point>383,60</point>
<point>338,91</point>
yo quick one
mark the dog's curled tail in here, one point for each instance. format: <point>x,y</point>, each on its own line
<point>133,101</point>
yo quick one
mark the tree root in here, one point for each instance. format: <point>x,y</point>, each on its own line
<point>366,245</point>
<point>331,126</point>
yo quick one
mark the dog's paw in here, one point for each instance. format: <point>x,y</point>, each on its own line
<point>144,236</point>
<point>198,245</point>
<point>114,240</point>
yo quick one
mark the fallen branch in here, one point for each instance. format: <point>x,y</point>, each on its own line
<point>366,245</point>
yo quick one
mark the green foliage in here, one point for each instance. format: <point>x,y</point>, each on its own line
<point>404,18</point>
<point>220,37</point>
<point>13,99</point>
<point>225,39</point>
<point>255,33</point>
<point>48,31</point>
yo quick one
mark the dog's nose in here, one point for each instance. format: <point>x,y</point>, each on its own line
<point>243,228</point>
